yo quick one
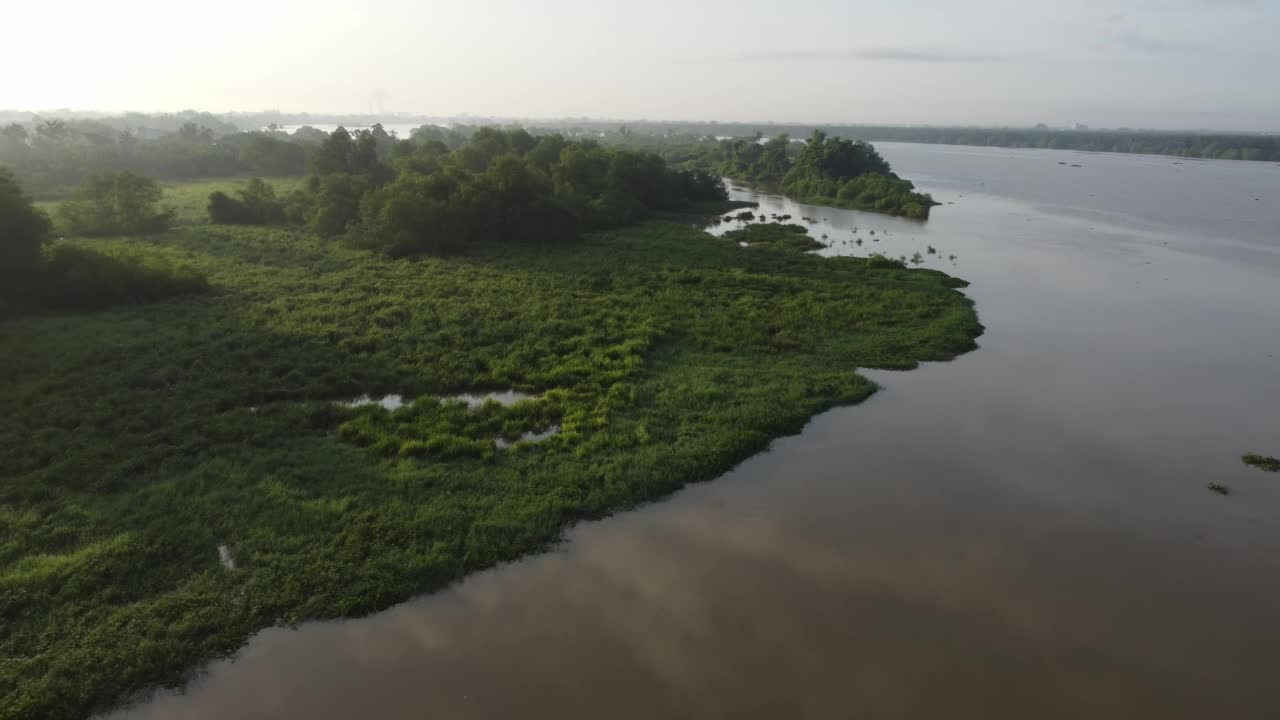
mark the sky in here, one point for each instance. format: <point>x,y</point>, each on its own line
<point>1137,63</point>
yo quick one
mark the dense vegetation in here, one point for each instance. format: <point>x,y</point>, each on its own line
<point>52,156</point>
<point>254,204</point>
<point>822,171</point>
<point>115,203</point>
<point>138,440</point>
<point>748,159</point>
<point>37,274</point>
<point>847,173</point>
<point>428,195</point>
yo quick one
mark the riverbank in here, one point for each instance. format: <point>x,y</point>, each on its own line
<point>178,475</point>
<point>1023,530</point>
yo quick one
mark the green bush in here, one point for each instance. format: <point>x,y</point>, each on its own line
<point>79,278</point>
<point>335,204</point>
<point>256,204</point>
<point>119,203</point>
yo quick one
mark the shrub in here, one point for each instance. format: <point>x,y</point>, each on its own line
<point>115,204</point>
<point>84,279</point>
<point>257,204</point>
<point>701,186</point>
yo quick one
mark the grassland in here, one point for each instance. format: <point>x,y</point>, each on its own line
<point>136,441</point>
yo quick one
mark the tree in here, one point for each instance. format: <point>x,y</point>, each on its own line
<point>256,204</point>
<point>334,154</point>
<point>15,133</point>
<point>344,154</point>
<point>54,130</point>
<point>24,231</point>
<point>115,204</point>
<point>337,203</point>
<point>271,155</point>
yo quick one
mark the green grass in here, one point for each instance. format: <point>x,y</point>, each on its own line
<point>189,199</point>
<point>1262,462</point>
<point>136,440</point>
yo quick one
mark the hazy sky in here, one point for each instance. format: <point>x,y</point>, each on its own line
<point>1155,63</point>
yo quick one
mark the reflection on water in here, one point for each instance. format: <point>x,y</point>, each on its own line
<point>1022,532</point>
<point>387,402</point>
<point>226,558</point>
<point>505,398</point>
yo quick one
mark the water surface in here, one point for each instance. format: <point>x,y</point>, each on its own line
<point>1023,532</point>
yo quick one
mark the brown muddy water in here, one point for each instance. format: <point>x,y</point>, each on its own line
<point>1025,532</point>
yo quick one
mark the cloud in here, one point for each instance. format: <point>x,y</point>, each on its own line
<point>1136,40</point>
<point>883,54</point>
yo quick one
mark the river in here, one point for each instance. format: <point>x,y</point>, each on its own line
<point>1023,532</point>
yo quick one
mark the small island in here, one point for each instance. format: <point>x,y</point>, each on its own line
<point>1265,463</point>
<point>827,171</point>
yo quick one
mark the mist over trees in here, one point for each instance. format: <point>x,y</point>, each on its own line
<point>115,203</point>
<point>53,156</point>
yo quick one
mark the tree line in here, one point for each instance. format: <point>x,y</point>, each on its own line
<point>54,156</point>
<point>1192,144</point>
<point>823,170</point>
<point>441,191</point>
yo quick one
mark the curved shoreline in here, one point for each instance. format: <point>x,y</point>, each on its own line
<point>676,356</point>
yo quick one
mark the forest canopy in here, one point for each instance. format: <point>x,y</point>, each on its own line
<point>433,194</point>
